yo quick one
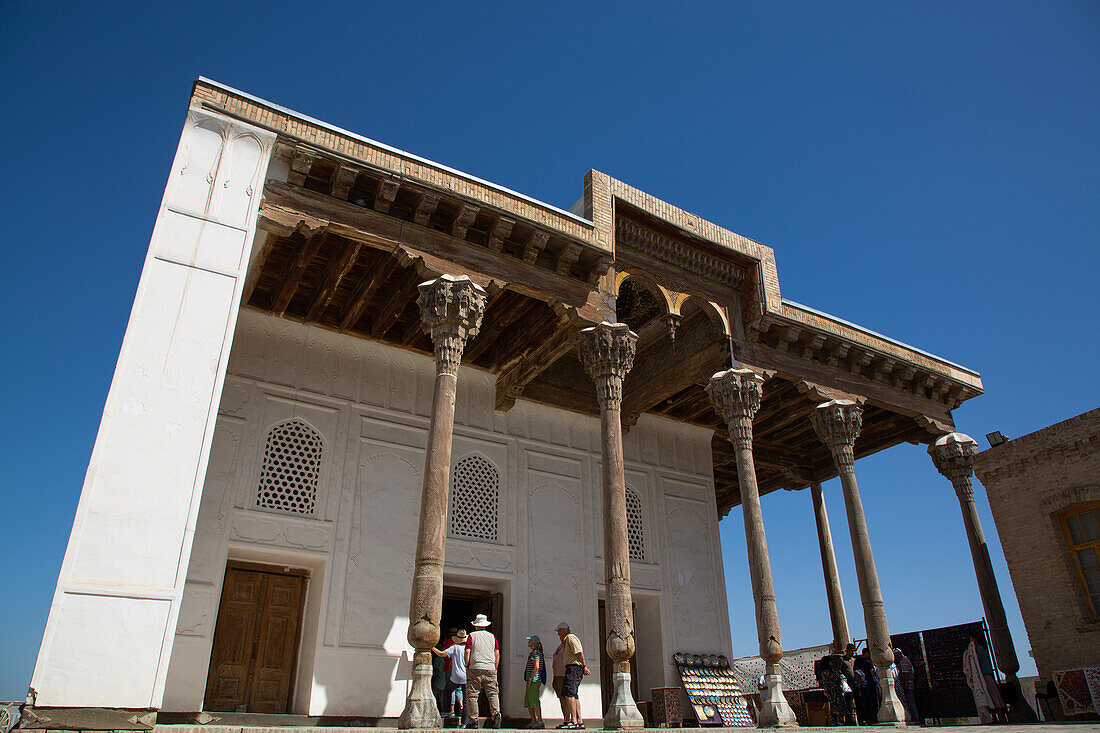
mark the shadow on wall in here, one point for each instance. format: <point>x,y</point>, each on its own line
<point>367,684</point>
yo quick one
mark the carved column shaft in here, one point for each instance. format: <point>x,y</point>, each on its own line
<point>953,456</point>
<point>838,423</point>
<point>607,353</point>
<point>451,310</point>
<point>736,394</point>
<point>837,615</point>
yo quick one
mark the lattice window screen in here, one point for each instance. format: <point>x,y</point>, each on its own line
<point>635,524</point>
<point>291,469</point>
<point>475,500</point>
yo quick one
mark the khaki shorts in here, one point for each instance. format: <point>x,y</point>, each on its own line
<point>557,683</point>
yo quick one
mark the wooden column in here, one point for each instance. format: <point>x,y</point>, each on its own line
<point>450,310</point>
<point>953,456</point>
<point>837,423</point>
<point>833,592</point>
<point>607,353</point>
<point>735,394</point>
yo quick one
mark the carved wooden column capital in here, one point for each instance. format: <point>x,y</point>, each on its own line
<point>450,312</point>
<point>607,353</point>
<point>953,455</point>
<point>735,394</point>
<point>837,423</point>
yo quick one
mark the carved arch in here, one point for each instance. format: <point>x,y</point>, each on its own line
<point>687,304</point>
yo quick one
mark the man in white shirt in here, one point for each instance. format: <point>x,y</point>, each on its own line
<point>482,661</point>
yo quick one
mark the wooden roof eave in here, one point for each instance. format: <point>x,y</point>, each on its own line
<point>287,208</point>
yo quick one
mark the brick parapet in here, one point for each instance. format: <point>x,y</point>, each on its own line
<point>1077,438</point>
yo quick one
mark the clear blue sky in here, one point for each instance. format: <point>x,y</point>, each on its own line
<point>927,170</point>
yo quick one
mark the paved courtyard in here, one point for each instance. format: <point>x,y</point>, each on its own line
<point>1053,727</point>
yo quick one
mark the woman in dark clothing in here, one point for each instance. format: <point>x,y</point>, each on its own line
<point>830,675</point>
<point>868,694</point>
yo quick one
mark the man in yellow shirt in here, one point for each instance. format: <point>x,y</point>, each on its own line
<point>575,669</point>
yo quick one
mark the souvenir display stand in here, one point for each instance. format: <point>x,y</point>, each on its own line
<point>713,693</point>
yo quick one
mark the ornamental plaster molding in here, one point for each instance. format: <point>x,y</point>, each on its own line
<point>677,253</point>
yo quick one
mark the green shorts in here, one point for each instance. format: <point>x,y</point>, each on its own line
<point>531,698</point>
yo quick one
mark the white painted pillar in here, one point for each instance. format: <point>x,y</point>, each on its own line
<point>113,618</point>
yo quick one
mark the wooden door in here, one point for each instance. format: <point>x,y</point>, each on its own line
<point>605,663</point>
<point>256,640</point>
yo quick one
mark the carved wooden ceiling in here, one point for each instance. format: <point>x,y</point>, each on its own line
<point>348,247</point>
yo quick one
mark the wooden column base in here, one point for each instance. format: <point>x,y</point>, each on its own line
<point>421,709</point>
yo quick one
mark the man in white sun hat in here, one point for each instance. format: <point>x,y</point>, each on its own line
<point>482,661</point>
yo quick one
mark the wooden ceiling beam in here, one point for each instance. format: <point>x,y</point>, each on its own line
<point>427,205</point>
<point>387,233</point>
<point>385,195</point>
<point>343,179</point>
<point>491,332</point>
<point>391,311</point>
<point>368,286</point>
<point>535,331</point>
<point>568,257</point>
<point>535,243</point>
<point>463,219</point>
<point>647,390</point>
<point>794,367</point>
<point>292,277</point>
<point>338,269</point>
<point>300,165</point>
<point>502,229</point>
<point>684,398</point>
<point>512,380</point>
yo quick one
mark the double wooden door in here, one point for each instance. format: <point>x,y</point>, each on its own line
<point>256,639</point>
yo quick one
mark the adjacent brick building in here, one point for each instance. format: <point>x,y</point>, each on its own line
<point>1044,490</point>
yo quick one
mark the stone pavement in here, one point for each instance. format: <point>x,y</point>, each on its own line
<point>1089,726</point>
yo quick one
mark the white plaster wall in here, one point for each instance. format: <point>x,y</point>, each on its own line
<point>371,403</point>
<point>111,626</point>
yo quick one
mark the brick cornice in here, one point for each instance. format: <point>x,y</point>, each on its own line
<point>1073,439</point>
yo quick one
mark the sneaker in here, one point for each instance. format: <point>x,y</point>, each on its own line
<point>472,724</point>
<point>538,725</point>
<point>494,721</point>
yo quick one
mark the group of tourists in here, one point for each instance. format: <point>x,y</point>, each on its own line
<point>467,664</point>
<point>851,683</point>
<point>852,686</point>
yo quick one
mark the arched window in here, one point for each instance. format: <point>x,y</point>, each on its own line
<point>475,500</point>
<point>1081,526</point>
<point>291,469</point>
<point>635,524</point>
